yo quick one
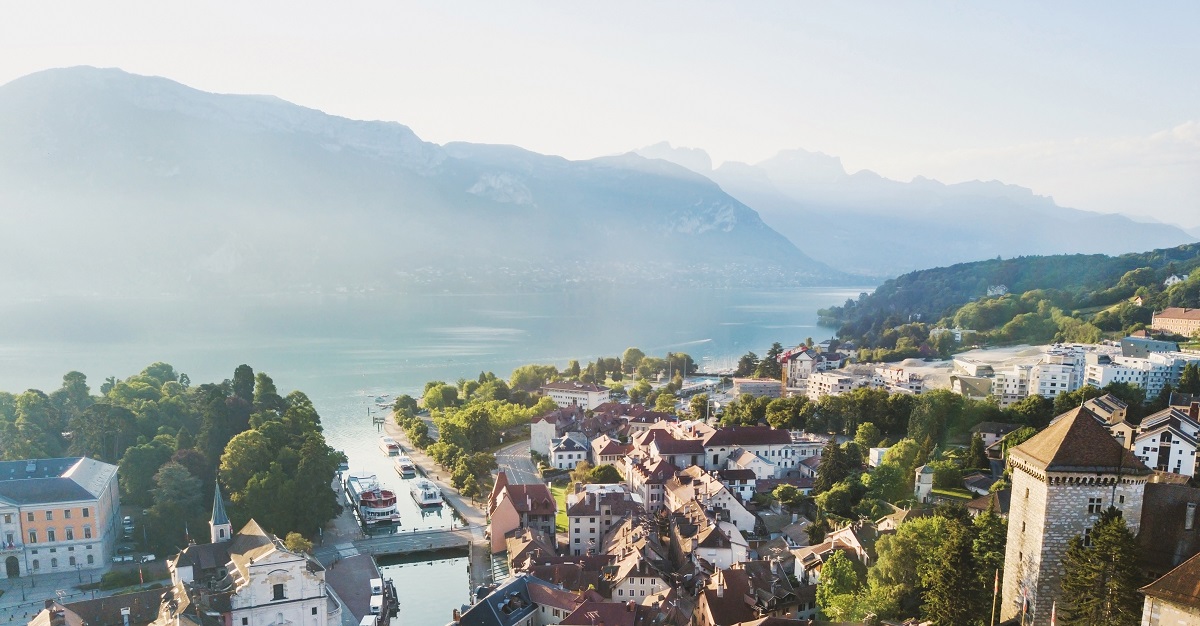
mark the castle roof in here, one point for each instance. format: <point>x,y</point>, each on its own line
<point>219,517</point>
<point>1075,442</point>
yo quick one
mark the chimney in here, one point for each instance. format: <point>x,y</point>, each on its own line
<point>629,607</point>
<point>1194,411</point>
<point>1189,516</point>
<point>720,587</point>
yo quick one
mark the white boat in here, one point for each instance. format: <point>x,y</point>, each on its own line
<point>405,466</point>
<point>425,492</point>
<point>375,505</point>
<point>389,446</point>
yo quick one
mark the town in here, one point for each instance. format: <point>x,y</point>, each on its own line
<point>803,498</point>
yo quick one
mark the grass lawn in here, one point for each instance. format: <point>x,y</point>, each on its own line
<point>560,496</point>
<point>954,493</point>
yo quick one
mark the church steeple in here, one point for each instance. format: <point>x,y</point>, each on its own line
<point>219,526</point>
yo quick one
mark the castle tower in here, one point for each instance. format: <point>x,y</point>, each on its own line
<point>1062,479</point>
<point>219,527</point>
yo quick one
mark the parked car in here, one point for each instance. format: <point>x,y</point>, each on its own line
<point>128,521</point>
<point>125,550</point>
<point>146,558</point>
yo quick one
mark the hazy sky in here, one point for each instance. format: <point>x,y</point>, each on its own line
<point>1094,103</point>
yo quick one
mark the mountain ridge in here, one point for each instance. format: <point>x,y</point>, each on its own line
<point>252,193</point>
<point>887,224</point>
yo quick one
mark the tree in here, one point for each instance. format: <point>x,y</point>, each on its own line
<point>266,396</point>
<point>138,467</point>
<point>945,602</point>
<point>976,454</point>
<point>833,468</point>
<point>665,402</point>
<point>582,472</point>
<point>746,365</point>
<point>839,578</point>
<point>788,496</point>
<point>631,359</point>
<point>987,551</point>
<point>1100,580</point>
<point>698,406</point>
<point>770,367</point>
<point>295,542</point>
<point>867,436</point>
<point>605,475</point>
<point>175,487</point>
<point>1189,381</point>
<point>889,483</point>
<point>441,396</point>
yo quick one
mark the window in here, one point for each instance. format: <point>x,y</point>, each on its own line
<point>1087,537</point>
<point>87,532</point>
<point>85,511</point>
<point>70,534</point>
<point>67,514</point>
<point>1094,505</point>
<point>49,516</point>
<point>314,610</point>
<point>577,540</point>
<point>620,592</point>
<point>54,563</point>
<point>71,561</point>
<point>36,565</point>
<point>29,516</point>
<point>50,535</point>
<point>33,536</point>
<point>277,591</point>
<point>91,559</point>
<point>245,621</point>
<point>8,518</point>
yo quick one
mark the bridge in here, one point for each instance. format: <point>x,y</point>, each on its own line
<point>399,543</point>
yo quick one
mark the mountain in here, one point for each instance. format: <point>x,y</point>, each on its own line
<point>112,182</point>
<point>865,223</point>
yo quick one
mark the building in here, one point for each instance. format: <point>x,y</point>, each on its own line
<point>696,485</point>
<point>1055,374</point>
<point>556,423</point>
<point>608,451</point>
<point>513,507</point>
<point>1174,599</point>
<point>592,513</point>
<point>971,387</point>
<point>824,384</point>
<point>1176,320</point>
<point>1011,385</point>
<point>923,484</point>
<point>895,380</point>
<point>758,387</point>
<point>587,396</point>
<point>1167,440</point>
<point>774,446</point>
<point>648,480</point>
<point>522,600</point>
<point>1174,279</point>
<point>1062,479</point>
<point>1141,347</point>
<point>991,432</point>
<point>128,609</point>
<point>57,515</point>
<point>568,451</point>
<point>248,578</point>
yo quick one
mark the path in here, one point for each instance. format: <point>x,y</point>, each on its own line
<point>515,461</point>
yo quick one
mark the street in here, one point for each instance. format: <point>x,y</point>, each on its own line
<point>514,460</point>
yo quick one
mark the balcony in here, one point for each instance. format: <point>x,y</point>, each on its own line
<point>11,548</point>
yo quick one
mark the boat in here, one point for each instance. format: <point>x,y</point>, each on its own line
<point>389,446</point>
<point>425,492</point>
<point>405,466</point>
<point>374,504</point>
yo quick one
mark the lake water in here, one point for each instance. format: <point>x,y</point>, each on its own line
<point>345,351</point>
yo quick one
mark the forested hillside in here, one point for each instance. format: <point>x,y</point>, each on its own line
<point>1065,297</point>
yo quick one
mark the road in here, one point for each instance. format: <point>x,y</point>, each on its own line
<point>514,460</point>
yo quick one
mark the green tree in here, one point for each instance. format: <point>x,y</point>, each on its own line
<point>1100,581</point>
<point>1189,381</point>
<point>770,367</point>
<point>945,602</point>
<point>833,468</point>
<point>631,359</point>
<point>582,472</point>
<point>867,436</point>
<point>889,483</point>
<point>788,496</point>
<point>839,578</point>
<point>266,396</point>
<point>441,396</point>
<point>295,542</point>
<point>987,552</point>
<point>138,467</point>
<point>174,486</point>
<point>976,455</point>
<point>665,402</point>
<point>747,364</point>
<point>605,475</point>
<point>698,406</point>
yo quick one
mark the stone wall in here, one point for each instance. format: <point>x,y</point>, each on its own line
<point>1161,613</point>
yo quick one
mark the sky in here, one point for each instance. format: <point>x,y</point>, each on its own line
<point>1094,103</point>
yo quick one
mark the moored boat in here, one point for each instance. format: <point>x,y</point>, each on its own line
<point>389,446</point>
<point>375,505</point>
<point>405,466</point>
<point>425,492</point>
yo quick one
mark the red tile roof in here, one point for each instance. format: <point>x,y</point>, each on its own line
<point>1180,585</point>
<point>1075,442</point>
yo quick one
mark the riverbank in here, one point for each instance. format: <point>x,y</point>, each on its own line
<point>474,516</point>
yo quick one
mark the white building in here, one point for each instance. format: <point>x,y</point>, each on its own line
<point>1174,279</point>
<point>1011,385</point>
<point>896,380</point>
<point>1167,440</point>
<point>758,387</point>
<point>568,451</point>
<point>567,393</point>
<point>695,484</point>
<point>825,384</point>
<point>592,513</point>
<point>923,485</point>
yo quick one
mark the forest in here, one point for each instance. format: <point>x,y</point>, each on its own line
<point>171,440</point>
<point>1052,298</point>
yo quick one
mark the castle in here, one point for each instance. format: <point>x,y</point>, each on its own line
<point>1062,479</point>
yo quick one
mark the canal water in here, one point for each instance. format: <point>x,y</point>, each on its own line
<point>345,351</point>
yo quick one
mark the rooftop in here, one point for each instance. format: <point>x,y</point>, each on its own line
<point>1075,442</point>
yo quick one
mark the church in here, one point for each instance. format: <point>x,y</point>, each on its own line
<point>1063,478</point>
<point>247,578</point>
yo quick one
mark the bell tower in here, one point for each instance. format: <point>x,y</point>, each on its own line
<point>219,527</point>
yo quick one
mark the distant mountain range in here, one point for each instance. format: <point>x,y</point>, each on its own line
<point>866,224</point>
<point>116,183</point>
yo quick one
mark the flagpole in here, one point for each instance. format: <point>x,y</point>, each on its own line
<point>995,592</point>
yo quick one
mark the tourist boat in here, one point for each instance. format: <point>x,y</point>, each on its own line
<point>425,492</point>
<point>405,466</point>
<point>389,446</point>
<point>375,505</point>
